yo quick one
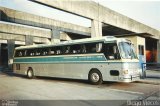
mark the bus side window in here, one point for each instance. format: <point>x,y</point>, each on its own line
<point>75,49</point>
<point>45,51</point>
<point>30,52</point>
<point>66,49</point>
<point>88,48</point>
<point>25,53</point>
<point>78,50</point>
<point>58,50</point>
<point>112,51</point>
<point>83,48</point>
<point>18,53</point>
<point>52,51</point>
<point>38,52</point>
<point>91,47</point>
<point>99,47</point>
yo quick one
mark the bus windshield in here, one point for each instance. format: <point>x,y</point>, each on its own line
<point>127,50</point>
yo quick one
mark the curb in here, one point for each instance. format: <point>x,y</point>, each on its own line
<point>155,82</point>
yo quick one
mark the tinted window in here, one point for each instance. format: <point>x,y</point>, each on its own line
<point>92,48</point>
<point>111,51</point>
<point>75,49</point>
<point>59,50</point>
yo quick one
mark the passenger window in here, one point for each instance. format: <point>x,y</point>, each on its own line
<point>29,52</point>
<point>58,50</point>
<point>92,48</point>
<point>25,53</point>
<point>38,52</point>
<point>75,49</point>
<point>54,51</point>
<point>83,49</point>
<point>111,51</point>
<point>19,53</point>
<point>66,49</point>
<point>51,51</point>
<point>99,47</point>
<point>44,52</point>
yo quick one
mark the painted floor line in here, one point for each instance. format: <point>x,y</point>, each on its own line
<point>127,91</point>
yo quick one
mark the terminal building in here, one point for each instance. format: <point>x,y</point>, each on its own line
<point>20,28</point>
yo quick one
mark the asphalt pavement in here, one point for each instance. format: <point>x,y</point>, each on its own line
<point>66,92</point>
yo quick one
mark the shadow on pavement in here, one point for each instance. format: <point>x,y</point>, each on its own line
<point>65,80</point>
<point>11,74</point>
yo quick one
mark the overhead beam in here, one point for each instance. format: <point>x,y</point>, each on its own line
<point>18,32</point>
<point>15,16</point>
<point>13,28</point>
<point>100,13</point>
<point>9,36</point>
<point>21,38</point>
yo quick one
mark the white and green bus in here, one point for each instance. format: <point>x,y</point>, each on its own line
<point>94,59</point>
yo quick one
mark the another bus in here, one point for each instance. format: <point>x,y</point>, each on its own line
<point>94,59</point>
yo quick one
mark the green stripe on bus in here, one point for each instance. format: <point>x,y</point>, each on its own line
<point>60,59</point>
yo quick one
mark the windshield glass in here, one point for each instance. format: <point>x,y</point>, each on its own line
<point>127,50</point>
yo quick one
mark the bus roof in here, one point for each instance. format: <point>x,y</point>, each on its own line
<point>79,41</point>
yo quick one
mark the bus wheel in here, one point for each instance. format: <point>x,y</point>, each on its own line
<point>30,74</point>
<point>95,77</point>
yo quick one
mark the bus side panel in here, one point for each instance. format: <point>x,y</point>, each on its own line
<point>108,67</point>
<point>81,71</point>
<point>55,70</point>
<point>20,69</point>
<point>51,70</point>
<point>76,70</point>
<point>70,70</point>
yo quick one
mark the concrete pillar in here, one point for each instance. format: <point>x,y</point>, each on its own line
<point>28,40</point>
<point>158,50</point>
<point>10,46</point>
<point>96,28</point>
<point>55,36</point>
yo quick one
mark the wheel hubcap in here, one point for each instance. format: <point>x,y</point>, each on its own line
<point>95,77</point>
<point>29,74</point>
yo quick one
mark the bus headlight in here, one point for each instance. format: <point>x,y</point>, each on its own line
<point>125,71</point>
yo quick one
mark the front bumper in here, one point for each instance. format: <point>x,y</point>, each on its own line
<point>129,78</point>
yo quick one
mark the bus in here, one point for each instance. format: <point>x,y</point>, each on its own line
<point>93,59</point>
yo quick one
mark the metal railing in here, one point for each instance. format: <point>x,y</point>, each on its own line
<point>151,68</point>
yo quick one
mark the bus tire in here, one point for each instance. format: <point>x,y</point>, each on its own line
<point>30,74</point>
<point>95,77</point>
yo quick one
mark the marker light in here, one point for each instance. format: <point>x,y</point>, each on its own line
<point>125,71</point>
